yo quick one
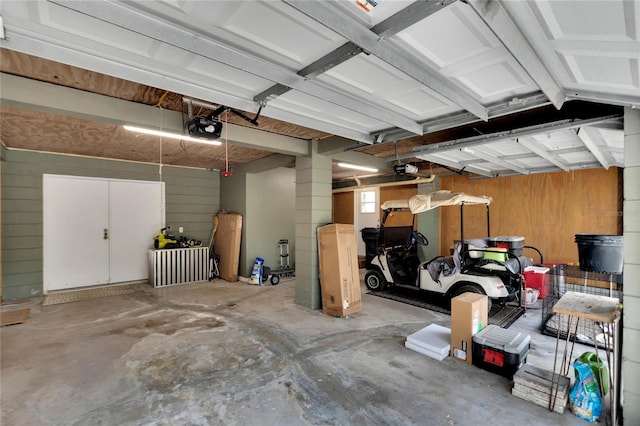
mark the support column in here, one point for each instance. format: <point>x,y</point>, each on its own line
<point>631,287</point>
<point>429,225</point>
<point>313,209</point>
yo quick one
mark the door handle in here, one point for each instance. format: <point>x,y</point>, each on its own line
<point>106,234</point>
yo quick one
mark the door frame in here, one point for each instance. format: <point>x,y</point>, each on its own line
<point>364,220</point>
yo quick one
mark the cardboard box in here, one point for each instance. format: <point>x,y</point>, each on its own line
<point>226,244</point>
<point>339,275</point>
<point>469,315</point>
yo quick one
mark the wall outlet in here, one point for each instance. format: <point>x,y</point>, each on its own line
<point>181,230</point>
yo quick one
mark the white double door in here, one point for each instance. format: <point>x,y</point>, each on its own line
<point>98,231</point>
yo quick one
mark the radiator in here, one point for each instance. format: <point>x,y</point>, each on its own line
<point>178,266</point>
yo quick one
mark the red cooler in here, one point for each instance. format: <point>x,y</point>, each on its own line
<point>537,277</point>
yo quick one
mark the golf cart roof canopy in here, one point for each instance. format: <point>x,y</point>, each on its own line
<point>425,202</point>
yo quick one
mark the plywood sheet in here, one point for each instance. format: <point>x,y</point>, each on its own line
<point>18,316</point>
<point>226,244</point>
<point>546,209</point>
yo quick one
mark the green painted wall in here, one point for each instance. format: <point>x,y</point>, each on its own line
<point>271,207</point>
<point>429,225</point>
<point>192,198</point>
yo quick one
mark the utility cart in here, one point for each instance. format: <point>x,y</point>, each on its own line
<point>285,270</point>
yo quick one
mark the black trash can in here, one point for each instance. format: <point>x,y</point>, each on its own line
<point>600,253</point>
<point>370,237</point>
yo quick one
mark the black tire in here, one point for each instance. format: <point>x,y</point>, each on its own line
<point>275,279</point>
<point>472,288</point>
<point>375,281</point>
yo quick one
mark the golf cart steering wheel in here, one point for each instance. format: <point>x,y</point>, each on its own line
<point>418,238</point>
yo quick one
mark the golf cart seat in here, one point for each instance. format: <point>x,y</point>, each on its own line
<point>445,265</point>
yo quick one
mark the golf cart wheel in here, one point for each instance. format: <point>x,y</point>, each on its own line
<point>275,279</point>
<point>375,281</point>
<point>472,288</point>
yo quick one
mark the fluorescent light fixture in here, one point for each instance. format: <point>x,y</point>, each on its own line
<point>170,135</point>
<point>353,166</point>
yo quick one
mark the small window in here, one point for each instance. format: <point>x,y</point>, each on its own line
<point>368,202</point>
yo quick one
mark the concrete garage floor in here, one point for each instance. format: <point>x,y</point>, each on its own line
<point>234,354</point>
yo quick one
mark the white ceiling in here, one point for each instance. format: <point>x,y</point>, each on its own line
<point>403,69</point>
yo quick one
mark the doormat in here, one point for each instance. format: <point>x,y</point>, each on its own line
<point>87,294</point>
<point>498,315</point>
<point>18,316</point>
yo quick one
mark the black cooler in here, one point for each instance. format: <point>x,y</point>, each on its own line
<point>500,350</point>
<point>513,244</point>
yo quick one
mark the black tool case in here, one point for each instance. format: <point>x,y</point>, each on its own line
<point>500,350</point>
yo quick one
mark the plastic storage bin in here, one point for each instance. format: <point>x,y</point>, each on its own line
<point>500,350</point>
<point>370,236</point>
<point>512,243</point>
<point>600,253</point>
<point>538,278</point>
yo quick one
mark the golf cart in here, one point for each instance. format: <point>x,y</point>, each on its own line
<point>491,266</point>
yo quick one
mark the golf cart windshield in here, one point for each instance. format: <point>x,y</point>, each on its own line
<point>425,202</point>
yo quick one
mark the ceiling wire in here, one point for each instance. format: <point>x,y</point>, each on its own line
<point>161,140</point>
<point>226,142</point>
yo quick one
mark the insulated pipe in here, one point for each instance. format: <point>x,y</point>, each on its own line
<point>488,222</point>
<point>415,181</point>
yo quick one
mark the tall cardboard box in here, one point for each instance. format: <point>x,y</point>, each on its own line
<point>468,316</point>
<point>339,276</point>
<point>226,244</point>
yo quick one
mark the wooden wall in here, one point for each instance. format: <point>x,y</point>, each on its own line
<point>343,207</point>
<point>403,192</point>
<point>546,209</point>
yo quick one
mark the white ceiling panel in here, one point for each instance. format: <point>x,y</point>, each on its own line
<point>368,76</point>
<point>376,14</point>
<point>221,76</point>
<point>457,42</point>
<point>606,70</point>
<point>267,26</point>
<point>91,29</point>
<point>497,81</point>
<point>591,47</point>
<point>597,20</point>
<point>448,36</point>
<point>323,111</point>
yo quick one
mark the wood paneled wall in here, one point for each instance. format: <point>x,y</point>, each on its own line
<point>403,192</point>
<point>546,209</point>
<point>343,207</point>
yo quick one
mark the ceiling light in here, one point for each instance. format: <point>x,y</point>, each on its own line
<point>356,167</point>
<point>170,135</point>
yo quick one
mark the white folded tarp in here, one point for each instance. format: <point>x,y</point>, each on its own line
<point>425,202</point>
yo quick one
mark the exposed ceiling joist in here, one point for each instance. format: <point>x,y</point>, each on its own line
<point>385,50</point>
<point>134,20</point>
<point>498,19</point>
